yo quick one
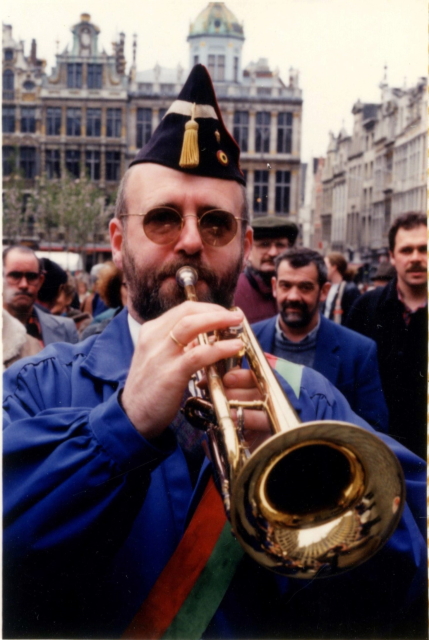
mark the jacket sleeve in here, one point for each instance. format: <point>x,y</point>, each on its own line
<point>370,403</point>
<point>69,472</point>
<point>402,561</point>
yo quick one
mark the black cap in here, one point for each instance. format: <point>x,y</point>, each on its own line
<point>192,136</point>
<point>274,227</point>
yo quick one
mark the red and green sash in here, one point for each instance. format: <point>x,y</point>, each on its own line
<point>190,588</point>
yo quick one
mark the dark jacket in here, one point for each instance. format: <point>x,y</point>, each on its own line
<point>402,357</point>
<point>346,359</point>
<point>254,297</point>
<point>350,294</point>
<point>93,512</point>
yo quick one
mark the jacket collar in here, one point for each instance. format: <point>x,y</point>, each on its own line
<point>110,354</point>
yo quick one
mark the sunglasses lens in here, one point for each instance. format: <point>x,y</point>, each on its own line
<point>16,276</point>
<point>217,227</point>
<point>31,276</point>
<point>162,225</point>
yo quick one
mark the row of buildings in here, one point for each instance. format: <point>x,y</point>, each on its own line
<point>92,112</point>
<point>370,176</point>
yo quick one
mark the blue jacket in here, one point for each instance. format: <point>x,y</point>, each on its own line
<point>349,361</point>
<point>93,511</point>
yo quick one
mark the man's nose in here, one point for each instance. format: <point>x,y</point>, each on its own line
<point>23,282</point>
<point>293,294</point>
<point>273,251</point>
<point>189,240</point>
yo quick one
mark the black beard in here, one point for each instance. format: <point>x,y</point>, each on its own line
<point>299,323</point>
<point>144,289</point>
<point>266,276</point>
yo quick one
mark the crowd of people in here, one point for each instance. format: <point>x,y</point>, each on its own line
<point>104,478</point>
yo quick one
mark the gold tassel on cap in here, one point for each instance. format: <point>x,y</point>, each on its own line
<point>190,157</point>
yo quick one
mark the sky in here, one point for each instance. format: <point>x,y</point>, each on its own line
<point>340,47</point>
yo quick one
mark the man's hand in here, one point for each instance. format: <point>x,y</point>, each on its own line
<point>240,384</point>
<point>160,369</point>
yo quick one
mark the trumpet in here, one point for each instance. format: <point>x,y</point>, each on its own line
<point>316,498</point>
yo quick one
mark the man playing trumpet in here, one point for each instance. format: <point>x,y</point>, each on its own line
<point>110,528</point>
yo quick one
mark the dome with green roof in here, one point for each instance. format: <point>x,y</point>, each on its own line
<point>216,20</point>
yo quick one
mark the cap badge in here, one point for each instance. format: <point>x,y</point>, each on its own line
<point>222,157</point>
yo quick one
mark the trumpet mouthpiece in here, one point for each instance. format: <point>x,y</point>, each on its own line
<point>186,276</point>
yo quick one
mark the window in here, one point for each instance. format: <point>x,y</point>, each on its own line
<point>93,122</point>
<point>196,60</point>
<point>28,85</point>
<point>28,119</point>
<point>74,75</point>
<point>27,161</point>
<point>53,121</point>
<point>263,91</point>
<point>52,163</point>
<point>216,65</point>
<point>260,192</point>
<point>8,160</point>
<point>284,133</point>
<point>8,84</point>
<point>235,69</point>
<point>73,121</point>
<point>262,131</point>
<point>113,124</point>
<point>95,76</point>
<point>73,162</point>
<point>144,126</point>
<point>92,165</point>
<point>8,54</point>
<point>282,191</point>
<point>167,89</point>
<point>113,165</point>
<point>8,119</point>
<point>241,129</point>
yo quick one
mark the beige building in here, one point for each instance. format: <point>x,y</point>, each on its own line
<point>376,173</point>
<point>90,114</point>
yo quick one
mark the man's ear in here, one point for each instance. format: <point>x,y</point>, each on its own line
<point>247,244</point>
<point>324,291</point>
<point>392,259</point>
<point>274,286</point>
<point>116,230</point>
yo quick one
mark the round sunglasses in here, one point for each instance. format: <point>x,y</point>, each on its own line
<point>163,225</point>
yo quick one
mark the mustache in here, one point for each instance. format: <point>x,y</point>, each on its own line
<point>170,270</point>
<point>416,269</point>
<point>293,306</point>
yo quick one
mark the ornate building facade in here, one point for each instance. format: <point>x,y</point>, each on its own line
<point>90,114</point>
<point>375,174</point>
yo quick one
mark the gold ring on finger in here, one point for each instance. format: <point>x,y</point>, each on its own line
<point>179,344</point>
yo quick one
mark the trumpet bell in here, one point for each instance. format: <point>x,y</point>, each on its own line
<point>318,500</point>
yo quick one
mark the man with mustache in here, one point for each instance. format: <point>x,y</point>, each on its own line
<point>301,334</point>
<point>271,236</point>
<point>22,279</point>
<point>113,525</point>
<point>395,316</point>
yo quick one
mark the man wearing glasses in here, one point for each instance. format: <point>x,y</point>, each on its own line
<point>22,279</point>
<point>113,527</point>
